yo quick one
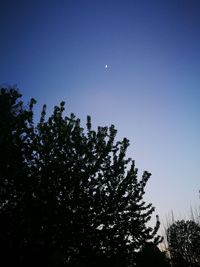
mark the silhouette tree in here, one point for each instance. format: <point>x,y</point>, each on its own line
<point>184,243</point>
<point>68,196</point>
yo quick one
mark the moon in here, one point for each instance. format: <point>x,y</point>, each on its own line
<point>106,66</point>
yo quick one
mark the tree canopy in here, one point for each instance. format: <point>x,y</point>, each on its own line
<point>68,196</point>
<point>184,243</point>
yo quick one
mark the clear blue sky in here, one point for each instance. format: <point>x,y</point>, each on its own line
<point>57,50</point>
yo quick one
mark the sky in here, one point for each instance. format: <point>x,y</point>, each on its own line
<point>150,89</point>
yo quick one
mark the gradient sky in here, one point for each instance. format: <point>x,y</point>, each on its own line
<point>57,50</point>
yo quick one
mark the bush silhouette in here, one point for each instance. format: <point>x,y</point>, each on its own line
<point>150,255</point>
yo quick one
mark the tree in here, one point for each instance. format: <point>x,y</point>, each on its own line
<point>69,196</point>
<point>184,243</point>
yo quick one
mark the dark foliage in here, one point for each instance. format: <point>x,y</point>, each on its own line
<point>184,243</point>
<point>68,197</point>
<point>150,255</point>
